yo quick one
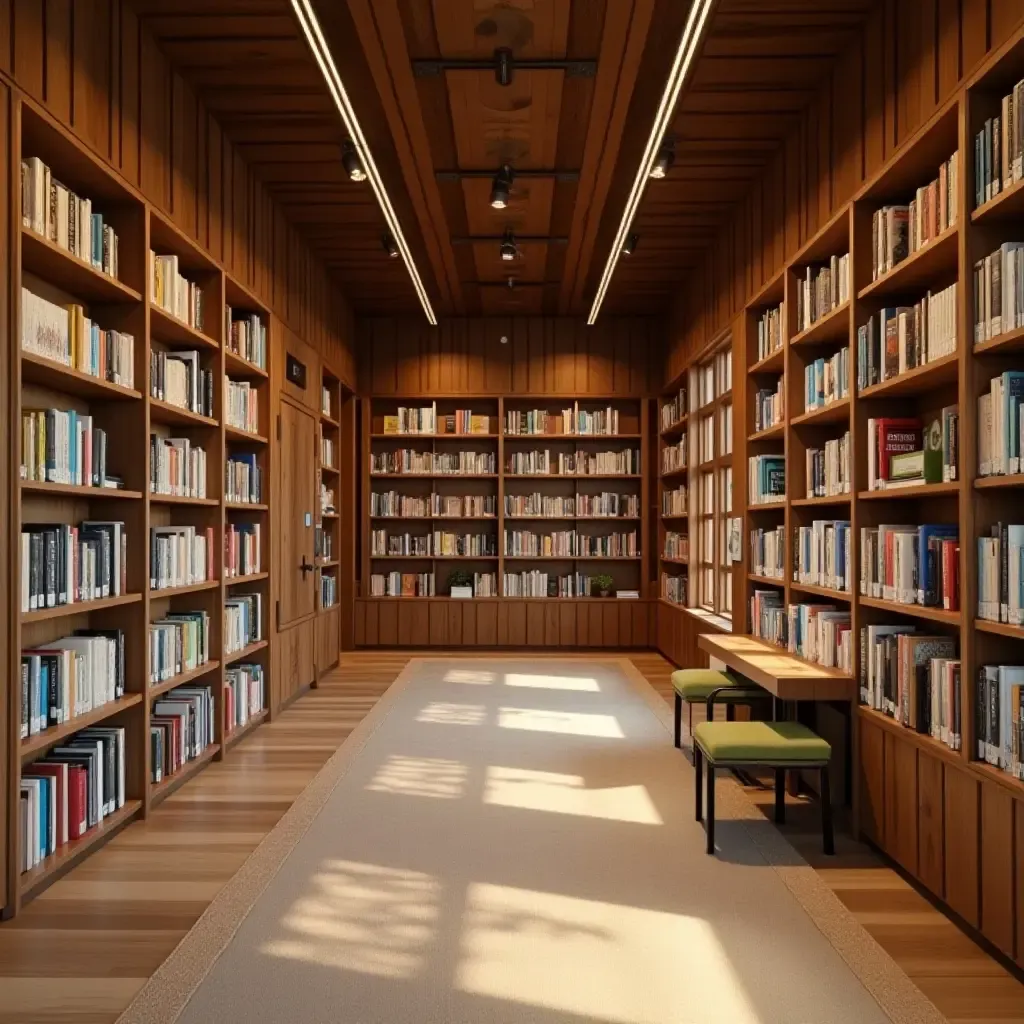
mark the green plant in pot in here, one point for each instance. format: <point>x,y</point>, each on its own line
<point>460,583</point>
<point>603,584</point>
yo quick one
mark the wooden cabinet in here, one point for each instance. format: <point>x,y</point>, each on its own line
<point>871,769</point>
<point>901,818</point>
<point>997,867</point>
<point>930,838</point>
<point>961,842</point>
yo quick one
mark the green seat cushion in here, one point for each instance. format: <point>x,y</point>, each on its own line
<point>760,742</point>
<point>696,684</point>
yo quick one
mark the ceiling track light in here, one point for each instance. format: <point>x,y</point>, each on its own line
<point>508,249</point>
<point>389,245</point>
<point>501,188</point>
<point>321,52</point>
<point>351,162</point>
<point>504,66</point>
<point>664,161</point>
<point>693,35</point>
<point>629,247</point>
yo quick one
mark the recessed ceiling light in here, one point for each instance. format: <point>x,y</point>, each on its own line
<point>501,187</point>
<point>663,164</point>
<point>508,249</point>
<point>352,164</point>
<point>693,34</point>
<point>629,247</point>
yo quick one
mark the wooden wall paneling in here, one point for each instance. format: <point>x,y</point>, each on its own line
<point>1005,17</point>
<point>901,808</point>
<point>359,630</point>
<point>8,515</point>
<point>27,44</point>
<point>155,120</point>
<point>1018,860</point>
<point>185,158</point>
<point>997,867</point>
<point>961,819</point>
<point>931,847</point>
<point>871,776</point>
<point>372,623</point>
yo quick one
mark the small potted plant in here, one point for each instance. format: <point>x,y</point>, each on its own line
<point>603,584</point>
<point>460,583</point>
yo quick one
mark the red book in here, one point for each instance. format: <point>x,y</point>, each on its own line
<point>58,771</point>
<point>951,575</point>
<point>78,821</point>
<point>896,436</point>
<point>229,709</point>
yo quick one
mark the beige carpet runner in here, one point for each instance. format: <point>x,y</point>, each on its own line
<point>512,842</point>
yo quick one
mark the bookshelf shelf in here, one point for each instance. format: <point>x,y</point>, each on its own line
<point>1008,341</point>
<point>178,499</point>
<point>165,412</point>
<point>169,329</point>
<point>987,483</point>
<point>829,592</point>
<point>41,487</point>
<point>239,367</point>
<point>435,476</point>
<point>834,412</point>
<point>774,362</point>
<point>246,652</point>
<point>235,434</point>
<point>917,381</point>
<point>44,259</point>
<point>445,437</point>
<point>675,515</point>
<point>34,745</point>
<point>919,270</point>
<point>675,474</point>
<point>769,433</point>
<point>329,421</point>
<point>253,577</point>
<point>914,611</point>
<point>156,593</point>
<point>167,785</point>
<point>767,506</point>
<point>182,678</point>
<point>49,870</point>
<point>773,581</point>
<point>245,506</point>
<point>571,438</point>
<point>39,370</point>
<point>675,561</point>
<point>330,563</point>
<point>999,628</point>
<point>243,730</point>
<point>920,740</point>
<point>674,429</point>
<point>79,608</point>
<point>906,493</point>
<point>1008,204</point>
<point>330,470</point>
<point>832,327</point>
<point>831,499</point>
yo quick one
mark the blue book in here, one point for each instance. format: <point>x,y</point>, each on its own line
<point>927,570</point>
<point>1013,388</point>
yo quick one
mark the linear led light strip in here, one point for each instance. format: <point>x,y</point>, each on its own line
<point>307,19</point>
<point>692,35</point>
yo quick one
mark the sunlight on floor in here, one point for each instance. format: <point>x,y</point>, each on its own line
<point>612,962</point>
<point>572,723</point>
<point>360,917</point>
<point>539,682</point>
<point>474,677</point>
<point>568,794</point>
<point>420,776</point>
<point>441,713</point>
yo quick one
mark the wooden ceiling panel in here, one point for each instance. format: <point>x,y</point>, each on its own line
<point>523,300</point>
<point>532,29</point>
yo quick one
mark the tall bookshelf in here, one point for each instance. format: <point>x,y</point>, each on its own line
<point>329,535</point>
<point>557,496</point>
<point>948,818</point>
<point>130,415</point>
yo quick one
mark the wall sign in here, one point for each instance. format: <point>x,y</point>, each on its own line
<point>295,372</point>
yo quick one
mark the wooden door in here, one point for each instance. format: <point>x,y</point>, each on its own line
<point>296,516</point>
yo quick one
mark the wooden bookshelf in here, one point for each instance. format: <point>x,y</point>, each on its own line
<point>498,487</point>
<point>329,527</point>
<point>129,415</point>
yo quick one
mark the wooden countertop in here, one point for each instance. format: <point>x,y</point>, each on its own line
<point>785,675</point>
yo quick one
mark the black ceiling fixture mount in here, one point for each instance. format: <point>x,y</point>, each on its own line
<point>629,246</point>
<point>351,161</point>
<point>501,187</point>
<point>389,245</point>
<point>504,65</point>
<point>508,248</point>
<point>546,239</point>
<point>666,158</point>
<point>458,175</point>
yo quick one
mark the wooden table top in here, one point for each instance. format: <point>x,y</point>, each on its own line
<point>785,675</point>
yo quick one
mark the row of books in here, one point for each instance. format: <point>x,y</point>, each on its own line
<point>243,621</point>
<point>769,406</point>
<point>245,334</point>
<point>1000,425</point>
<point>827,380</point>
<point>484,584</point>
<point>675,501</point>
<point>766,483</point>
<point>902,338</point>
<point>537,583</point>
<point>820,633</point>
<point>243,479</point>
<point>326,402</point>
<point>599,422</point>
<point>676,546</point>
<point>999,148</point>
<point>768,552</point>
<point>242,405</point>
<point>822,556</point>
<point>673,410</point>
<point>242,549</point>
<point>674,588</point>
<point>771,332</point>
<point>327,505</point>
<point>245,695</point>
<point>62,564</point>
<point>913,678</point>
<point>328,591</point>
<point>673,456</point>
<point>1000,581</point>
<point>327,453</point>
<point>174,293</point>
<point>52,210</point>
<point>624,463</point>
<point>912,564</point>
<point>898,231</point>
<point>422,420</point>
<point>416,506</point>
<point>70,791</point>
<point>180,379</point>
<point>323,544</point>
<point>607,503</point>
<point>768,616</point>
<point>905,452</point>
<point>69,677</point>
<point>181,727</point>
<point>828,469</point>
<point>569,543</point>
<point>822,289</point>
<point>999,717</point>
<point>180,556</point>
<point>65,335</point>
<point>177,467</point>
<point>178,642</point>
<point>406,460</point>
<point>402,584</point>
<point>999,292</point>
<point>437,544</point>
<point>61,446</point>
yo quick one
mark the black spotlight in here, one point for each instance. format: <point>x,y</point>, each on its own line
<point>509,250</point>
<point>389,245</point>
<point>629,246</point>
<point>501,187</point>
<point>352,164</point>
<point>503,65</point>
<point>666,158</point>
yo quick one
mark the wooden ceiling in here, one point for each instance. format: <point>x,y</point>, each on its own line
<point>439,135</point>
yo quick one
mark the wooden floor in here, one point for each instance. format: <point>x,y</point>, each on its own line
<point>79,952</point>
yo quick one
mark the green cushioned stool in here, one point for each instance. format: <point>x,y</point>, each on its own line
<point>697,685</point>
<point>779,745</point>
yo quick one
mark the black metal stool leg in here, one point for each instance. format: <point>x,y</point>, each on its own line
<point>780,796</point>
<point>827,839</point>
<point>679,721</point>
<point>710,824</point>
<point>698,766</point>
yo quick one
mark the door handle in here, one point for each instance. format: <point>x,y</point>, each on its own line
<point>305,566</point>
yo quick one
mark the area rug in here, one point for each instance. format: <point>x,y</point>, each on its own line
<point>511,841</point>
